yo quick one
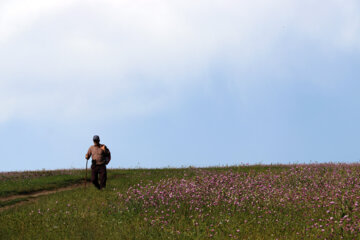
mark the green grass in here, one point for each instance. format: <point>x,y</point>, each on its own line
<point>26,186</point>
<point>31,182</point>
<point>87,215</point>
<point>91,214</point>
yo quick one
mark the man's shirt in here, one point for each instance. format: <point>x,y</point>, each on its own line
<point>98,155</point>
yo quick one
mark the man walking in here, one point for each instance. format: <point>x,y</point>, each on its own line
<point>101,157</point>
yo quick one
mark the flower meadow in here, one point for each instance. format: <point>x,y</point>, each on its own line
<point>304,201</point>
<point>314,201</point>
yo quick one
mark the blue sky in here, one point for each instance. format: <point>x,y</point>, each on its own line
<point>179,83</point>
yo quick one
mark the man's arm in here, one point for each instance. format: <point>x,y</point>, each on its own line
<point>88,154</point>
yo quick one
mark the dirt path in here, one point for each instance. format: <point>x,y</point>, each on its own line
<point>40,193</point>
<point>26,198</point>
<point>30,197</point>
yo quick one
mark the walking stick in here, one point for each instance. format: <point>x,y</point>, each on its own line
<point>86,172</point>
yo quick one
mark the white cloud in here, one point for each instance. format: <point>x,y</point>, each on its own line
<point>19,15</point>
<point>62,59</point>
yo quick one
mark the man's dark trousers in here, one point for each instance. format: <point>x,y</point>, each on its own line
<point>101,171</point>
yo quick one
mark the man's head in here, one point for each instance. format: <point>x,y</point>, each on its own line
<point>96,139</point>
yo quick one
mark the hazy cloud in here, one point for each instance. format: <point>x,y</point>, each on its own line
<point>61,59</point>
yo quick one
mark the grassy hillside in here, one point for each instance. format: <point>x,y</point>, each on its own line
<point>28,182</point>
<point>246,202</point>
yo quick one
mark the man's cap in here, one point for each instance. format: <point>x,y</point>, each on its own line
<point>96,138</point>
